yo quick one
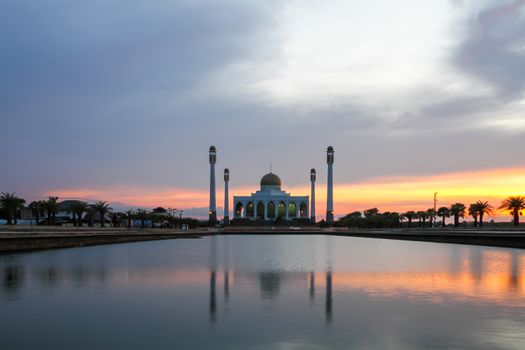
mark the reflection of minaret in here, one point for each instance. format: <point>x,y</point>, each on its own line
<point>213,280</point>
<point>213,204</point>
<point>328,304</point>
<point>328,309</point>
<point>330,185</point>
<point>312,286</point>
<point>476,263</point>
<point>226,269</point>
<point>514,278</point>
<point>313,177</point>
<point>226,195</point>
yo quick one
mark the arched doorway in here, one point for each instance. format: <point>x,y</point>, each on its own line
<point>292,210</point>
<point>271,210</point>
<point>303,210</point>
<point>281,210</point>
<point>260,210</point>
<point>238,210</point>
<point>250,210</point>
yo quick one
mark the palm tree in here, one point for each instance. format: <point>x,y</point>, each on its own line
<point>78,208</point>
<point>457,210</point>
<point>52,208</point>
<point>11,204</point>
<point>102,208</point>
<point>35,210</point>
<point>410,215</point>
<point>431,213</point>
<point>514,204</point>
<point>473,211</point>
<point>422,215</point>
<point>483,208</point>
<point>129,216</point>
<point>443,212</point>
<point>142,215</point>
<point>90,214</point>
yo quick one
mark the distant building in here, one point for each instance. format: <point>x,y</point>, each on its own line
<point>271,203</point>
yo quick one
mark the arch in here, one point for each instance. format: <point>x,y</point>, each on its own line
<point>271,210</point>
<point>281,210</point>
<point>303,210</point>
<point>239,210</point>
<point>250,210</point>
<point>260,211</point>
<point>292,210</point>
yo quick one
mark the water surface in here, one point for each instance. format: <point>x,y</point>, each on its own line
<point>264,292</point>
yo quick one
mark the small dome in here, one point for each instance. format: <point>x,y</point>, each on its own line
<point>212,149</point>
<point>270,180</point>
<point>330,149</point>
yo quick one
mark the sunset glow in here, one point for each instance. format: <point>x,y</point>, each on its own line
<point>388,194</point>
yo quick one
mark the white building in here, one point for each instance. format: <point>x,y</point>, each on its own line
<point>271,203</point>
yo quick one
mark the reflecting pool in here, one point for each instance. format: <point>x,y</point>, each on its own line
<point>264,292</point>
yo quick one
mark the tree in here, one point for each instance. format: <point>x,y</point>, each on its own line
<point>473,211</point>
<point>443,212</point>
<point>410,215</point>
<point>422,216</point>
<point>11,204</point>
<point>457,210</point>
<point>52,208</point>
<point>514,205</point>
<point>142,215</point>
<point>36,207</point>
<point>78,209</point>
<point>431,214</point>
<point>102,208</point>
<point>129,216</point>
<point>483,208</point>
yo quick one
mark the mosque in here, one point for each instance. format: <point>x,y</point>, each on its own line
<point>271,203</point>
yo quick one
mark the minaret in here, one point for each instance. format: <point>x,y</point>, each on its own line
<point>313,177</point>
<point>330,184</point>
<point>213,205</point>
<point>226,196</point>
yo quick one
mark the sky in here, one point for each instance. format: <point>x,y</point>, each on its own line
<point>120,100</point>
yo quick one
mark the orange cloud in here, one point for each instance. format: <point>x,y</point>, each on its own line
<point>388,193</point>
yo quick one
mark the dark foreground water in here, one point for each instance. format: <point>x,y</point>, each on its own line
<point>264,292</point>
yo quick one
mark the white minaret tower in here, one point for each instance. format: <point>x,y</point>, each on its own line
<point>330,184</point>
<point>213,205</point>
<point>313,177</point>
<point>226,195</point>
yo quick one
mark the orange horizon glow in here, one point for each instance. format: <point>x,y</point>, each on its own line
<point>398,194</point>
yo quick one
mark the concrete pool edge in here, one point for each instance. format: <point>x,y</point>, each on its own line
<point>23,242</point>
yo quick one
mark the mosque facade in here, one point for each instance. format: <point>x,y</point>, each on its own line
<point>271,202</point>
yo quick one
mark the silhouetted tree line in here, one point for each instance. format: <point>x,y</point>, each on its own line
<point>373,218</point>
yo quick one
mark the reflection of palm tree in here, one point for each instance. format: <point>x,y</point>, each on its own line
<point>483,208</point>
<point>457,210</point>
<point>443,212</point>
<point>514,204</point>
<point>102,208</point>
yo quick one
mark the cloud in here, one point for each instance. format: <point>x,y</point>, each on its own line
<point>494,48</point>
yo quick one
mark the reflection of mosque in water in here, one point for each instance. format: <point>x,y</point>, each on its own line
<point>471,273</point>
